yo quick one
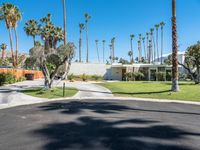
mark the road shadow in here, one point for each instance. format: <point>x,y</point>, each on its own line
<point>90,133</point>
<point>77,107</point>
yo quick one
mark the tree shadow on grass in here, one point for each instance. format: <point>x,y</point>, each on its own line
<point>139,93</point>
<point>90,133</point>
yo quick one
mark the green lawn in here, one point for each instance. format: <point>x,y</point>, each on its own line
<point>158,90</point>
<point>50,94</point>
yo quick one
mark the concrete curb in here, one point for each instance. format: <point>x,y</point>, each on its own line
<point>43,101</point>
<point>130,99</point>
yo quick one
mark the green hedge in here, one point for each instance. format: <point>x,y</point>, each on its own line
<point>8,78</point>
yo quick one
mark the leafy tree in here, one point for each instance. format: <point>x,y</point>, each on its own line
<point>49,58</point>
<point>52,60</point>
<point>192,62</point>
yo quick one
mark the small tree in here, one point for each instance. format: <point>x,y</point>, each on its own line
<point>192,62</point>
<point>52,60</point>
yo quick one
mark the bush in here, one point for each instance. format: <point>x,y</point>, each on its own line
<point>139,76</point>
<point>84,77</point>
<point>161,76</point>
<point>7,78</point>
<point>71,77</point>
<point>134,76</point>
<point>96,78</point>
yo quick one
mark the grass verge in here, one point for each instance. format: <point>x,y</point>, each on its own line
<point>158,90</point>
<point>50,94</point>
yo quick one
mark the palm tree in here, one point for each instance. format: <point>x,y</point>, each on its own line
<point>157,45</point>
<point>152,39</point>
<point>104,41</point>
<point>147,44</point>
<point>162,24</point>
<point>58,35</point>
<point>130,54</point>
<point>111,53</point>
<point>7,14</point>
<point>87,17</point>
<point>16,18</point>
<point>3,48</point>
<point>140,39</point>
<point>113,48</point>
<point>97,46</point>
<point>143,40</point>
<point>32,29</point>
<point>139,51</point>
<point>65,21</point>
<point>81,27</point>
<point>132,37</point>
<point>175,85</point>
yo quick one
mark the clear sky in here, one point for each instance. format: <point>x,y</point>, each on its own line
<point>111,18</point>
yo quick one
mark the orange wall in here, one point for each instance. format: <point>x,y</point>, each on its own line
<point>21,73</point>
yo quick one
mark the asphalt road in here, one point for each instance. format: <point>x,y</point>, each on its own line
<point>101,125</point>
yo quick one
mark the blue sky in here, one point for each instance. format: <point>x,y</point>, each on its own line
<point>111,18</point>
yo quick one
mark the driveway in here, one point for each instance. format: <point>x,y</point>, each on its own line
<point>100,125</point>
<point>10,95</point>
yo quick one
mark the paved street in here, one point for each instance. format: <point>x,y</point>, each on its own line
<point>100,125</point>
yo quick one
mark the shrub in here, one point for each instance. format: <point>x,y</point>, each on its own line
<point>71,77</point>
<point>84,77</point>
<point>161,76</point>
<point>96,78</point>
<point>7,78</point>
<point>138,76</point>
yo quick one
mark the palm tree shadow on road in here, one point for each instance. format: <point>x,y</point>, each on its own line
<point>91,132</point>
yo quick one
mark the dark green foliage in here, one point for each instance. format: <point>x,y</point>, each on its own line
<point>7,78</point>
<point>161,76</point>
<point>134,76</point>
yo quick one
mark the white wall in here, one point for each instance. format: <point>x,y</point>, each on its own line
<point>91,69</point>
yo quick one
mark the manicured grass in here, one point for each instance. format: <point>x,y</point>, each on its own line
<point>157,90</point>
<point>50,94</point>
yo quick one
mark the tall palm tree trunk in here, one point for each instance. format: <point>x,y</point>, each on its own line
<point>157,45</point>
<point>175,85</point>
<point>103,52</point>
<point>162,39</point>
<point>65,22</point>
<point>16,55</point>
<point>11,47</point>
<point>87,45</point>
<point>80,46</point>
<point>132,50</point>
<point>97,46</point>
<point>113,52</point>
<point>154,49</point>
<point>34,42</point>
<point>3,54</point>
